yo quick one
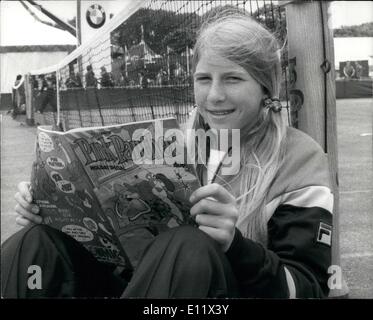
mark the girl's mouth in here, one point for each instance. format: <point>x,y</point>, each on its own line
<point>220,113</point>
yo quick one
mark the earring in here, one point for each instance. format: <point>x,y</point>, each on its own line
<point>272,104</point>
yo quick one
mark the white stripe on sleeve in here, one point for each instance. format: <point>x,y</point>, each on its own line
<point>308,197</point>
<point>291,284</point>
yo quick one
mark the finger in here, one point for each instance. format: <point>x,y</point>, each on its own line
<point>25,204</point>
<point>32,208</point>
<point>208,220</point>
<point>213,207</point>
<point>28,215</point>
<point>24,190</point>
<point>212,190</point>
<point>22,221</point>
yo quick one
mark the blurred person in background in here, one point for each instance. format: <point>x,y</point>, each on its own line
<point>18,97</point>
<point>90,78</point>
<point>106,78</point>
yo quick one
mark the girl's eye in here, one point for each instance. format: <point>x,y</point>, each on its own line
<point>233,79</point>
<point>204,79</point>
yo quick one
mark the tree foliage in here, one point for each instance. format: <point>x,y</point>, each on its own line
<point>273,18</point>
<point>362,30</point>
<point>164,28</point>
<point>72,21</point>
<point>161,29</point>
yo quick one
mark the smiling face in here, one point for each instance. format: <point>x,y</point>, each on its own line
<point>228,97</point>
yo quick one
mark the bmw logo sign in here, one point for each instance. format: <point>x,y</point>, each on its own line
<point>96,16</point>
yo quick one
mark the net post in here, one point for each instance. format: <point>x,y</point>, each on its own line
<point>99,106</point>
<point>58,122</point>
<point>313,107</point>
<point>29,100</point>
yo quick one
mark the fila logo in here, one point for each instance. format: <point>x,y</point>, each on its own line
<point>324,235</point>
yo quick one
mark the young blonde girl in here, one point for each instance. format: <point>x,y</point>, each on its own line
<point>262,232</point>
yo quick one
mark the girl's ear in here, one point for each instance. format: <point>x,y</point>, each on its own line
<point>264,96</point>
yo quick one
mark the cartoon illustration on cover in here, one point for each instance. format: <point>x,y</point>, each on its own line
<point>87,184</point>
<point>67,203</point>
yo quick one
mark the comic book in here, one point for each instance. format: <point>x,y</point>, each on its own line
<point>114,188</point>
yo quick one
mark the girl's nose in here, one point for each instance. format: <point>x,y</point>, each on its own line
<point>216,92</point>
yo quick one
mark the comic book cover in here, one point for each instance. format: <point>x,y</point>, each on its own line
<point>114,188</point>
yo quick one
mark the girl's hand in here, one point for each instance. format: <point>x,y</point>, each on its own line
<point>216,213</point>
<point>26,211</point>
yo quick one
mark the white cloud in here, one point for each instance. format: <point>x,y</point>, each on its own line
<point>18,27</point>
<point>349,13</point>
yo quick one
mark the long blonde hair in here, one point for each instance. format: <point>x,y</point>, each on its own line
<point>233,34</point>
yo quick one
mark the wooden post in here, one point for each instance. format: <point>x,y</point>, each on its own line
<point>312,93</point>
<point>78,22</point>
<point>58,122</point>
<point>29,100</point>
<point>79,36</point>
